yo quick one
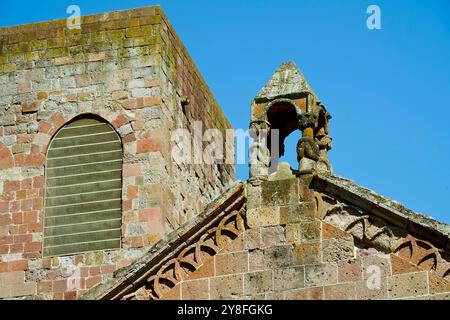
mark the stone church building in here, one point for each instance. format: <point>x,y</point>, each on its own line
<point>92,205</point>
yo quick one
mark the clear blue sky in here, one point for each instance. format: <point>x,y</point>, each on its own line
<point>388,90</point>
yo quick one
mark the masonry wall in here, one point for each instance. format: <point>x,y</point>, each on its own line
<point>294,247</point>
<point>131,69</point>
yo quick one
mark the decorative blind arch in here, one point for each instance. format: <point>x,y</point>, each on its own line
<point>83,189</point>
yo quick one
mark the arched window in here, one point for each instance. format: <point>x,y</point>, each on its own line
<point>83,189</point>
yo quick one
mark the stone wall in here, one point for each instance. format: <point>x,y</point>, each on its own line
<point>132,70</point>
<point>299,245</point>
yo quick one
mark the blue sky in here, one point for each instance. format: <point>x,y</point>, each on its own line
<point>388,90</point>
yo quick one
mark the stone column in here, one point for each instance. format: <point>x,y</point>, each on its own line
<point>259,154</point>
<point>307,148</point>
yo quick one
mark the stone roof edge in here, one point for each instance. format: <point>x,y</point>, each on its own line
<point>126,278</point>
<point>85,19</point>
<point>384,208</point>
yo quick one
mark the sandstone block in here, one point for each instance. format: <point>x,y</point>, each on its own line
<point>303,232</point>
<point>226,287</point>
<point>279,192</point>
<point>263,217</point>
<point>195,290</point>
<point>320,275</point>
<point>338,249</point>
<point>289,278</point>
<point>306,253</point>
<point>300,212</point>
<point>257,282</point>
<point>408,285</point>
<point>235,262</point>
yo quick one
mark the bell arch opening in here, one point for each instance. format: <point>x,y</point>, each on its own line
<point>282,116</point>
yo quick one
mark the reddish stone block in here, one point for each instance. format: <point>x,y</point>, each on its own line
<point>26,184</point>
<point>33,247</point>
<point>30,106</point>
<point>4,206</point>
<point>205,271</point>
<point>106,269</point>
<point>70,295</point>
<point>149,145</point>
<point>120,121</point>
<point>45,286</point>
<point>6,240</point>
<point>128,104</point>
<point>38,182</point>
<point>148,101</point>
<point>18,265</point>
<point>59,285</point>
<point>438,284</point>
<point>132,192</point>
<point>92,281</point>
<point>17,218</point>
<point>35,149</point>
<point>129,138</point>
<point>229,263</point>
<point>400,265</point>
<point>131,170</point>
<point>57,120</point>
<point>34,227</point>
<point>10,186</point>
<point>94,271</point>
<point>150,215</point>
<point>26,205</point>
<point>5,219</point>
<point>21,195</point>
<point>16,248</point>
<point>44,127</point>
<point>350,270</point>
<point>329,231</point>
<point>6,159</point>
<point>23,238</point>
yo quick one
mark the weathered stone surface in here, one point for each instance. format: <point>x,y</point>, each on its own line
<point>301,212</point>
<point>408,285</point>
<point>380,263</point>
<point>229,263</point>
<point>226,287</point>
<point>278,256</point>
<point>307,253</point>
<point>303,232</point>
<point>289,278</point>
<point>258,282</point>
<point>272,236</point>
<point>280,192</point>
<point>305,294</point>
<point>263,217</point>
<point>338,249</point>
<point>320,275</point>
<point>343,291</point>
<point>370,290</point>
<point>195,290</point>
<point>350,270</point>
<point>252,239</point>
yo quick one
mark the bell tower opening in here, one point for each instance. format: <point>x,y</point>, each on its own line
<point>285,107</point>
<point>282,116</point>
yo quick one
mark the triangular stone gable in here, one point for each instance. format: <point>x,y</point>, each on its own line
<point>287,80</point>
<point>307,237</point>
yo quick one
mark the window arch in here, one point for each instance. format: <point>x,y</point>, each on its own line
<point>83,188</point>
